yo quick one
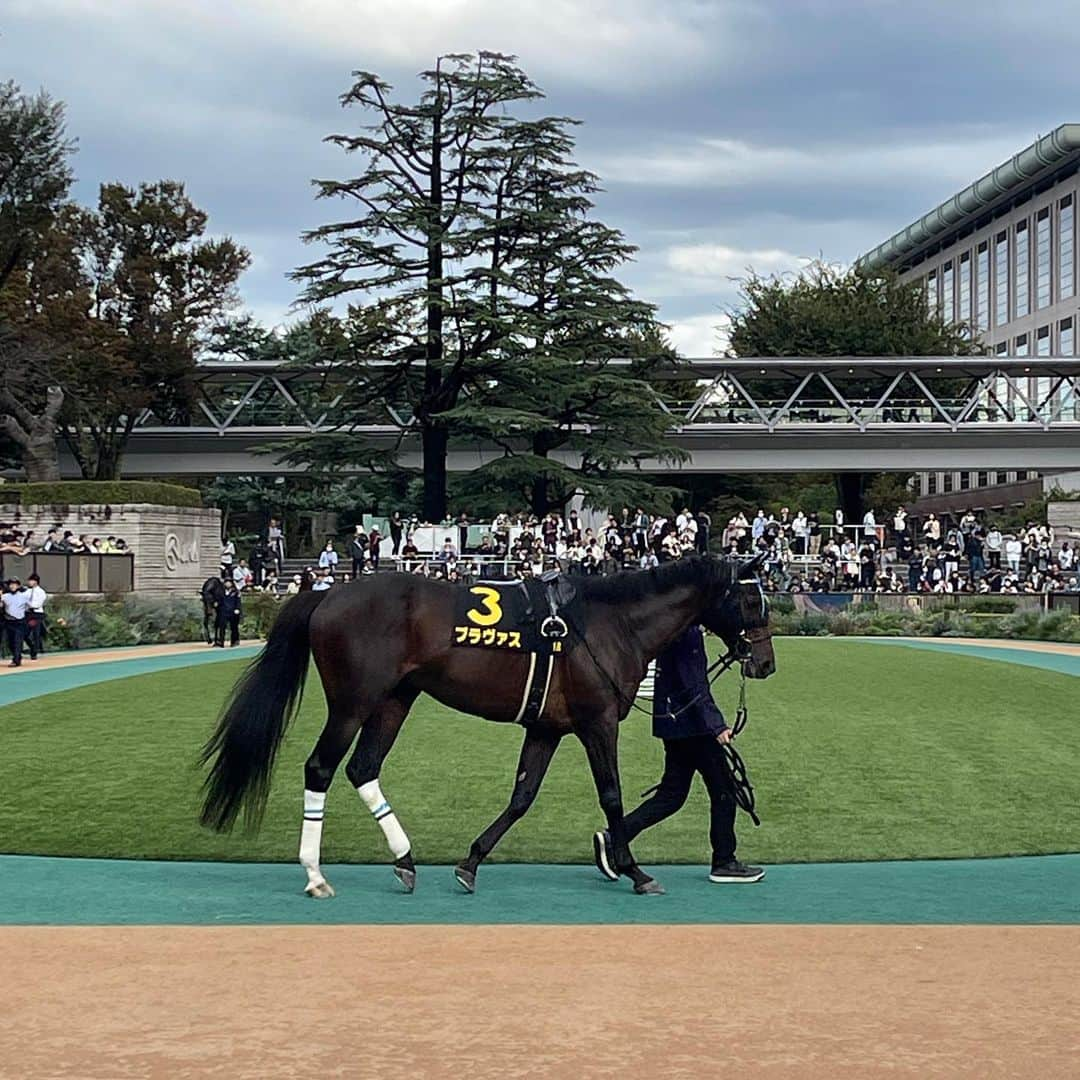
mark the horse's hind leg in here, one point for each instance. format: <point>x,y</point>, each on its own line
<point>600,738</point>
<point>377,737</point>
<point>333,745</point>
<point>536,754</point>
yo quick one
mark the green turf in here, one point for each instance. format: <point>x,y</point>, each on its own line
<point>858,752</point>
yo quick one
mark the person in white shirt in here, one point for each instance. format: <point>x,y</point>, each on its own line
<point>228,553</point>
<point>1066,556</point>
<point>1013,548</point>
<point>800,529</point>
<point>869,525</point>
<point>328,557</point>
<point>35,615</point>
<point>16,603</point>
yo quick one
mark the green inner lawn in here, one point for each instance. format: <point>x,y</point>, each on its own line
<point>857,751</point>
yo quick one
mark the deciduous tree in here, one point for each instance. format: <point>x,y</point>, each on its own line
<point>830,311</point>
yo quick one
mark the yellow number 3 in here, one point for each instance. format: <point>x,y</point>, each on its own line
<point>490,612</point>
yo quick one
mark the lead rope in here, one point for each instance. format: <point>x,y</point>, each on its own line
<point>741,789</point>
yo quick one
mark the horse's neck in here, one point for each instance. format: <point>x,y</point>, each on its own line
<point>657,621</point>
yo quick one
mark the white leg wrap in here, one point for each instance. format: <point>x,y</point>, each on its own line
<point>311,835</point>
<point>373,798</point>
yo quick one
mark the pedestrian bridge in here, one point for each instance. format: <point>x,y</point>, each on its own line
<point>775,414</point>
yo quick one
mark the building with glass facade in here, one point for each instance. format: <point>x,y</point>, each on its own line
<point>999,259</point>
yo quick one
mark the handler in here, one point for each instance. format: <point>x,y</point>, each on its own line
<point>16,601</point>
<point>228,616</point>
<point>694,732</point>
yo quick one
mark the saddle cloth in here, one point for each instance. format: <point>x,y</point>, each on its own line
<point>508,615</point>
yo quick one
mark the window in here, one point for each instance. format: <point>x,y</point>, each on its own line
<point>1067,339</point>
<point>1070,404</point>
<point>947,482</point>
<point>1042,341</point>
<point>1021,258</point>
<point>1066,230</point>
<point>982,288</point>
<point>1001,348</point>
<point>931,484</point>
<point>1043,294</point>
<point>965,481</point>
<point>947,312</point>
<point>931,292</point>
<point>1020,348</point>
<point>1001,478</point>
<point>983,479</point>
<point>1041,391</point>
<point>1001,279</point>
<point>964,286</point>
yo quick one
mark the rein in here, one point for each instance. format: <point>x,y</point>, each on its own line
<point>742,791</point>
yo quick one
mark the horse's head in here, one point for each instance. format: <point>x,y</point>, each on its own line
<point>739,615</point>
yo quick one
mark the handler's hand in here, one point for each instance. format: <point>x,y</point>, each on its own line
<point>724,737</point>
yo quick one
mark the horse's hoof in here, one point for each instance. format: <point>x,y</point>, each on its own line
<point>320,890</point>
<point>465,878</point>
<point>652,887</point>
<point>406,876</point>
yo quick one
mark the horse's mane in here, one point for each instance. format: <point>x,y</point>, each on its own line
<point>639,584</point>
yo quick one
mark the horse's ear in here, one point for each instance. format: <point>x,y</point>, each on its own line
<point>755,564</point>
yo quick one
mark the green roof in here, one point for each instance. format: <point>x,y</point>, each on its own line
<point>1040,157</point>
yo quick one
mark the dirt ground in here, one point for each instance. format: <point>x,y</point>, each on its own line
<point>541,1001</point>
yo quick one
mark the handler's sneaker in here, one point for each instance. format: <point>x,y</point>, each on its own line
<point>735,872</point>
<point>602,855</point>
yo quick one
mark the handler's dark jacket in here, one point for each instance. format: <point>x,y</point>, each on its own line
<point>681,676</point>
<point>228,606</point>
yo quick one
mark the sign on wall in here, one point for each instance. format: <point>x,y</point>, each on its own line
<point>181,550</point>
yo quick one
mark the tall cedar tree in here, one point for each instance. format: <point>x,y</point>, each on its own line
<point>35,177</point>
<point>446,212</point>
<point>571,407</point>
<point>828,311</point>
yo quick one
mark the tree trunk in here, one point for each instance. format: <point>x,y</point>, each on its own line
<point>539,497</point>
<point>850,489</point>
<point>40,460</point>
<point>435,442</point>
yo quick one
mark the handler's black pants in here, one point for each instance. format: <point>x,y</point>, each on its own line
<point>682,758</point>
<point>14,634</point>
<point>230,623</point>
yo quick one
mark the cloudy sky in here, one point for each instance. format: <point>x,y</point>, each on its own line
<point>728,133</point>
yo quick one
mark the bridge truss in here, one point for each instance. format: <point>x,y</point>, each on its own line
<point>747,414</point>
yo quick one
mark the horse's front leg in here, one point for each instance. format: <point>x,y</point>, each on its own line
<point>536,754</point>
<point>600,738</point>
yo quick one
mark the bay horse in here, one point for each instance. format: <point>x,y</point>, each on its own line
<point>213,589</point>
<point>379,643</point>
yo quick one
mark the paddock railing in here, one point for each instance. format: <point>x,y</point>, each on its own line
<point>68,572</point>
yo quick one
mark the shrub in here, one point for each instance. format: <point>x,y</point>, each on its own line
<point>990,605</point>
<point>260,611</point>
<point>99,492</point>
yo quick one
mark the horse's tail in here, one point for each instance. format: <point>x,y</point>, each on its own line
<point>245,742</point>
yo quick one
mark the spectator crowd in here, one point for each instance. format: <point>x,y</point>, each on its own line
<point>802,552</point>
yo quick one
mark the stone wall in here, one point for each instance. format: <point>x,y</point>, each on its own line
<point>1064,519</point>
<point>176,547</point>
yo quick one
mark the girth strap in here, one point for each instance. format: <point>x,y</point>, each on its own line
<point>537,684</point>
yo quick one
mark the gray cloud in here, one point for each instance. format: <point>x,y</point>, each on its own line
<point>733,131</point>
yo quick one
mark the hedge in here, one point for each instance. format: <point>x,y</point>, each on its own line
<point>144,620</point>
<point>98,493</point>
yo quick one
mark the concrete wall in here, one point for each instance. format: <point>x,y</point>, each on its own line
<point>1064,519</point>
<point>176,548</point>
